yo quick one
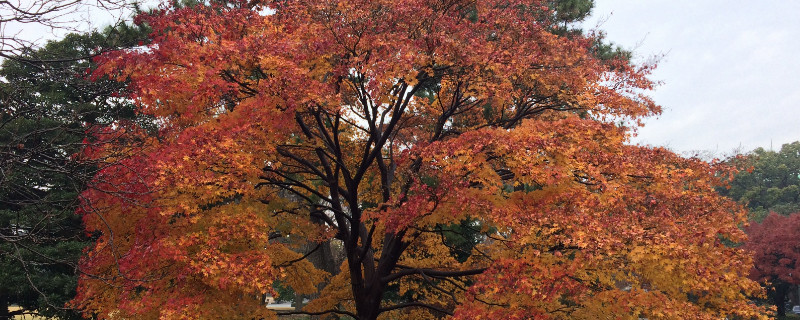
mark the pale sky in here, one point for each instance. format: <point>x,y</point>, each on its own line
<point>85,15</point>
<point>731,71</point>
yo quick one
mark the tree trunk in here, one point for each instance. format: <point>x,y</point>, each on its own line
<point>4,314</point>
<point>369,303</point>
<point>366,285</point>
<point>779,298</point>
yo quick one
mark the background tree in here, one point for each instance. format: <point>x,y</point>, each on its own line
<point>410,132</point>
<point>769,181</point>
<point>48,111</point>
<point>777,255</point>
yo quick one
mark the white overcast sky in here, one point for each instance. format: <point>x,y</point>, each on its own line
<point>731,70</point>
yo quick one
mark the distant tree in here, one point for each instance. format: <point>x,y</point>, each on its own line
<point>48,109</point>
<point>776,244</point>
<point>769,181</point>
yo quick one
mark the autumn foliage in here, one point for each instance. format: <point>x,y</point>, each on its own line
<point>390,130</point>
<point>776,246</point>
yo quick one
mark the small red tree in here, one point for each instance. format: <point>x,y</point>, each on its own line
<point>776,243</point>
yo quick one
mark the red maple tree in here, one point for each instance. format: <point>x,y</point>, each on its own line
<point>398,131</point>
<point>776,246</point>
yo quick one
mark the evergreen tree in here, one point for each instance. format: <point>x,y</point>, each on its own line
<point>769,182</point>
<point>48,109</point>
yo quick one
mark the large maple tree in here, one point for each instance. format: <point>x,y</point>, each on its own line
<point>466,158</point>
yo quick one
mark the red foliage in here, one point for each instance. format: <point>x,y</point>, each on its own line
<point>776,246</point>
<point>380,125</point>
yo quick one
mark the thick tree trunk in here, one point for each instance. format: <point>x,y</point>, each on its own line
<point>366,285</point>
<point>368,291</point>
<point>779,298</point>
<point>4,314</point>
<point>369,303</point>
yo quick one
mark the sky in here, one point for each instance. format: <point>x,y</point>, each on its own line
<point>83,16</point>
<point>730,70</point>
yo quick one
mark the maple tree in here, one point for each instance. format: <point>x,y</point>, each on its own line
<point>468,157</point>
<point>777,250</point>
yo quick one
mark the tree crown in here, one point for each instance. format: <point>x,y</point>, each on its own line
<point>466,156</point>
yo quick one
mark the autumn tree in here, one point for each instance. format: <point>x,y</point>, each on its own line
<point>769,184</point>
<point>777,254</point>
<point>470,160</point>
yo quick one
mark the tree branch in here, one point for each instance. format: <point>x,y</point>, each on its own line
<point>416,304</point>
<point>431,273</point>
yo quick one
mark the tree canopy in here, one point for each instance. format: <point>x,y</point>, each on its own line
<point>769,181</point>
<point>469,159</point>
<point>776,245</point>
<point>769,185</point>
